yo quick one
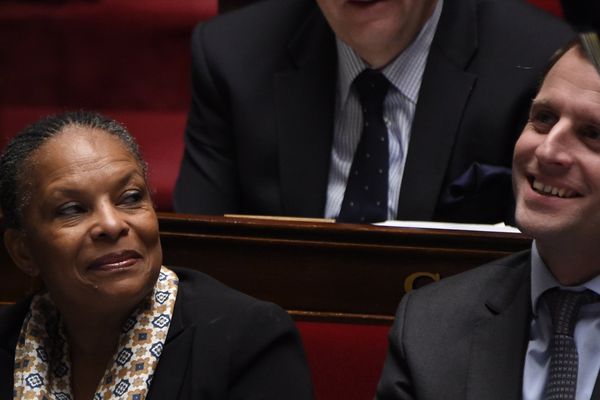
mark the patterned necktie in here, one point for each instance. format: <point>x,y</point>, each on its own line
<point>366,195</point>
<point>564,308</point>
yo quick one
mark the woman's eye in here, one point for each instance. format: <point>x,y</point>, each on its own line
<point>70,209</point>
<point>132,197</point>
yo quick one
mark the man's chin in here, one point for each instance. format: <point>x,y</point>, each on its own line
<point>532,224</point>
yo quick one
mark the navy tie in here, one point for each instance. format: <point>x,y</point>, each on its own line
<point>564,309</point>
<point>366,195</point>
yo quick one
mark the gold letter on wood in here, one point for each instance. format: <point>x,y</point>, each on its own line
<point>410,280</point>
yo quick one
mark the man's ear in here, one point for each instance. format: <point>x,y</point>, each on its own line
<point>14,240</point>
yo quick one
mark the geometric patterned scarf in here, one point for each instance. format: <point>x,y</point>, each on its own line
<point>42,365</point>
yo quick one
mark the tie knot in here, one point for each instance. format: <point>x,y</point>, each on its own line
<point>372,86</point>
<point>564,307</point>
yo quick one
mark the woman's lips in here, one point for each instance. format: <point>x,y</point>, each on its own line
<point>115,261</point>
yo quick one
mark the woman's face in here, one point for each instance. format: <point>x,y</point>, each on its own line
<point>89,226</point>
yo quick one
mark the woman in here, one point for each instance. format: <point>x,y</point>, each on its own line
<point>112,322</point>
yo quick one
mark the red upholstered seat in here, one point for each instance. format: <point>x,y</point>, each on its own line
<point>127,58</point>
<point>106,53</point>
<point>345,359</point>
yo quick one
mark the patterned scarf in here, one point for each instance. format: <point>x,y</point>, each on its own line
<point>42,363</point>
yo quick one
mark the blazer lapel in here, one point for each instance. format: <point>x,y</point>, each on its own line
<point>10,328</point>
<point>443,95</point>
<point>500,341</point>
<point>6,370</point>
<point>169,379</point>
<point>305,97</point>
<point>173,361</point>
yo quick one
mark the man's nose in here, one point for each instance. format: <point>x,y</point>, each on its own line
<point>556,147</point>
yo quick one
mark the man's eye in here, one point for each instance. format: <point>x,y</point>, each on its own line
<point>543,120</point>
<point>70,209</point>
<point>591,132</point>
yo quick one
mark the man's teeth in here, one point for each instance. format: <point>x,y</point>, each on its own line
<point>552,190</point>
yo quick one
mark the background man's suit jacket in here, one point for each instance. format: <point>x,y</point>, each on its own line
<point>260,127</point>
<point>464,337</point>
<point>221,344</point>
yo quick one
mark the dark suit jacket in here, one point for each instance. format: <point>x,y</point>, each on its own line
<point>260,128</point>
<point>221,344</point>
<point>464,337</point>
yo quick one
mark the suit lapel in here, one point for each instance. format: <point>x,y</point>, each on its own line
<point>305,97</point>
<point>500,341</point>
<point>444,93</point>
<point>596,392</point>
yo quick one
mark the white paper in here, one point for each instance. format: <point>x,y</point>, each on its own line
<point>501,227</point>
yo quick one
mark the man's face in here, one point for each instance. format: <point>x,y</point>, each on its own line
<point>556,165</point>
<point>383,27</point>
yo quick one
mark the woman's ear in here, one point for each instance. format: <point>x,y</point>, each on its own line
<point>14,240</point>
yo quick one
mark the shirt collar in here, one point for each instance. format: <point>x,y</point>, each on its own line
<point>542,279</point>
<point>412,59</point>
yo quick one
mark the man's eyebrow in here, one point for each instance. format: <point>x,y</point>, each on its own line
<point>540,102</point>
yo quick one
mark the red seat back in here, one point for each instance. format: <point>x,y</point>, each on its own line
<point>345,359</point>
<point>552,6</point>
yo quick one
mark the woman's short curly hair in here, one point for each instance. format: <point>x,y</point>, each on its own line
<point>16,158</point>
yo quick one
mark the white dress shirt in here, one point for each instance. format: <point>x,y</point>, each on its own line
<point>587,335</point>
<point>405,73</point>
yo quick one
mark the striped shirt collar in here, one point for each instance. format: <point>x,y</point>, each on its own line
<point>404,72</point>
<point>542,279</point>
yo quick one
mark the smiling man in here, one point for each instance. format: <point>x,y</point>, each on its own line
<point>276,123</point>
<point>526,326</point>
